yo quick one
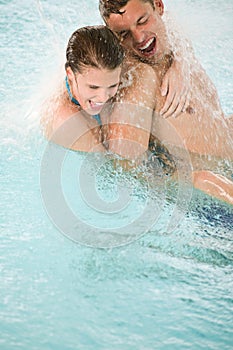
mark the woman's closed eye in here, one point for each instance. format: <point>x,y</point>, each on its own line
<point>93,87</point>
<point>114,86</point>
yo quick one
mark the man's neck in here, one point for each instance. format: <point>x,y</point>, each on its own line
<point>164,64</point>
<point>161,65</point>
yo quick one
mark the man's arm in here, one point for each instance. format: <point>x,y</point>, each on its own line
<point>176,84</point>
<point>214,185</point>
<point>176,87</point>
<point>131,118</point>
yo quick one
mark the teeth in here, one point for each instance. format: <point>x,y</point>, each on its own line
<point>147,44</point>
<point>97,103</point>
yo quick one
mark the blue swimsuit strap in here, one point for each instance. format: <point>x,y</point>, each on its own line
<point>96,116</point>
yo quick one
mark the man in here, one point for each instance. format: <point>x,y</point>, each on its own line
<point>175,85</point>
<point>201,127</point>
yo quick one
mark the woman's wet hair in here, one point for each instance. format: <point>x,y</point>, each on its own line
<point>93,46</point>
<point>106,7</point>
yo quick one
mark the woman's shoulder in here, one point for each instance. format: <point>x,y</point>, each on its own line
<point>138,70</point>
<point>139,83</point>
<point>56,109</point>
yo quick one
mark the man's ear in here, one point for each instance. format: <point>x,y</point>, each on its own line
<point>159,6</point>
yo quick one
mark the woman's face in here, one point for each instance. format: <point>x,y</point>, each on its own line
<point>94,87</point>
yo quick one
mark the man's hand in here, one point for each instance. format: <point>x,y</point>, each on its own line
<point>176,86</point>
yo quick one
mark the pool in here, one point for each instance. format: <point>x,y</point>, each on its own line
<point>170,288</point>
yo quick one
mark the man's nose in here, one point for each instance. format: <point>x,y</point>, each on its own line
<point>137,35</point>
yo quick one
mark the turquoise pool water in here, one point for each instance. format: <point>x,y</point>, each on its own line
<point>168,289</point>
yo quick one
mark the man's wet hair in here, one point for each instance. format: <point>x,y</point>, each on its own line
<point>107,7</point>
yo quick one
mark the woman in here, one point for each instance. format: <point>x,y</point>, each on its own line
<point>93,67</point>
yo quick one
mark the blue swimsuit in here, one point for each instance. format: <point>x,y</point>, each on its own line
<point>96,116</point>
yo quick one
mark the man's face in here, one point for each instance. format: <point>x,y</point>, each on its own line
<point>141,29</point>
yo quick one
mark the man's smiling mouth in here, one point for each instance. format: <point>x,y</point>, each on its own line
<point>149,47</point>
